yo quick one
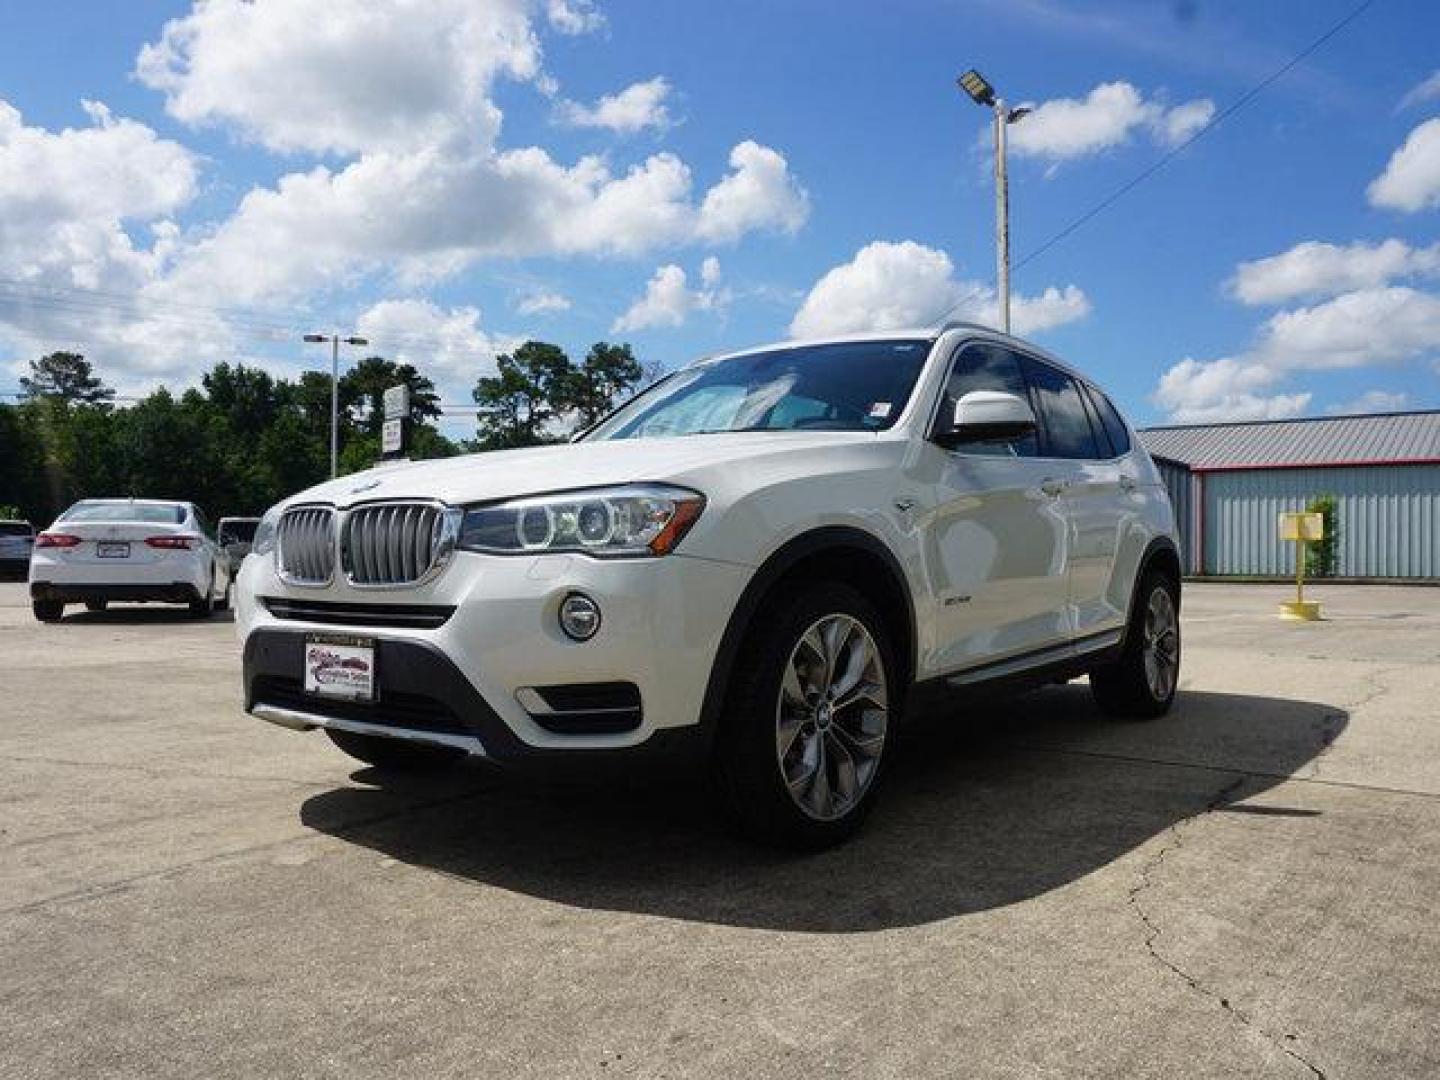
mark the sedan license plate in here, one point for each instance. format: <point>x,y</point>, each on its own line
<point>340,666</point>
<point>112,551</point>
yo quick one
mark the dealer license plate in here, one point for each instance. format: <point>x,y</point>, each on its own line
<point>340,666</point>
<point>112,551</point>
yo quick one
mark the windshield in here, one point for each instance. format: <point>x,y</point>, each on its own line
<point>848,386</point>
<point>124,510</point>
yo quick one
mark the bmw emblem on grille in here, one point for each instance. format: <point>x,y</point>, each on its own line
<point>366,486</point>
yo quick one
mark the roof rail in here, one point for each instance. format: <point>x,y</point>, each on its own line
<point>963,324</point>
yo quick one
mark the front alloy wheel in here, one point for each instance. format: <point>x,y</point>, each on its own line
<point>831,717</point>
<point>808,717</point>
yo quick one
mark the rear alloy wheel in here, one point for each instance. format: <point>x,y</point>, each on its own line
<point>96,605</point>
<point>394,755</point>
<point>48,610</point>
<point>1141,684</point>
<point>223,604</point>
<point>809,719</point>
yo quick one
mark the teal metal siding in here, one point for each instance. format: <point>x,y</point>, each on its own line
<point>1389,519</point>
<point>1184,491</point>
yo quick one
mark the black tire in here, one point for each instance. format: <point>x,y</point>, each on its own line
<point>96,605</point>
<point>202,607</point>
<point>750,767</point>
<point>394,755</point>
<point>48,610</point>
<point>1129,687</point>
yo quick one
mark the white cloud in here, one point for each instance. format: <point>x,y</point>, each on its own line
<point>1373,401</point>
<point>427,215</point>
<point>574,16</point>
<point>1199,392</point>
<point>639,106</point>
<point>888,286</point>
<point>1411,180</point>
<point>542,302</point>
<point>1314,269</point>
<point>1110,115</point>
<point>1424,91</point>
<point>1368,326</point>
<point>758,193</point>
<point>84,224</point>
<point>342,75</point>
<point>668,299</point>
<point>1357,329</point>
<point>448,344</point>
<point>65,198</point>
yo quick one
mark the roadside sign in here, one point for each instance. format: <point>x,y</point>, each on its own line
<point>397,402</point>
<point>1299,526</point>
<point>390,436</point>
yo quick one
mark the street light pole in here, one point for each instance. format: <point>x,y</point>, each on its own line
<point>335,340</point>
<point>982,93</point>
<point>1002,218</point>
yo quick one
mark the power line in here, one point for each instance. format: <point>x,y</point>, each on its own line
<point>1164,159</point>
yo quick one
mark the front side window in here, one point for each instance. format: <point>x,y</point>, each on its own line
<point>986,367</point>
<point>847,386</point>
<point>1062,413</point>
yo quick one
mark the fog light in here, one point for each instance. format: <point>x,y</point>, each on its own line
<point>579,617</point>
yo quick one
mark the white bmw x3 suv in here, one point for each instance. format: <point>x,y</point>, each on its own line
<point>754,565</point>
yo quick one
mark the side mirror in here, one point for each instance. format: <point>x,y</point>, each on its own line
<point>988,416</point>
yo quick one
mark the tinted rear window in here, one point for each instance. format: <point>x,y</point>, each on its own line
<point>1062,412</point>
<point>15,528</point>
<point>242,531</point>
<point>123,510</point>
<point>1111,422</point>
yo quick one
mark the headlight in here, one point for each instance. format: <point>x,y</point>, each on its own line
<point>638,519</point>
<point>264,541</point>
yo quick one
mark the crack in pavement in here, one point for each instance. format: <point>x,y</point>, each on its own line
<point>1153,931</point>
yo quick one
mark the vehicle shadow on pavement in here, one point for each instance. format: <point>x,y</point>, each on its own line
<point>1025,797</point>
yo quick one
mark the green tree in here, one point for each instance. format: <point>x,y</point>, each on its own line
<point>530,389</point>
<point>66,376</point>
<point>367,382</point>
<point>1322,556</point>
<point>608,372</point>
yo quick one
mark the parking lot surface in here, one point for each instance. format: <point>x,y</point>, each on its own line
<point>1246,887</point>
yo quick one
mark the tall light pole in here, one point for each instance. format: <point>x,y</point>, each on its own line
<point>335,340</point>
<point>982,93</point>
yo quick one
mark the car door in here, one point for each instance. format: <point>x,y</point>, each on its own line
<point>1076,445</point>
<point>994,538</point>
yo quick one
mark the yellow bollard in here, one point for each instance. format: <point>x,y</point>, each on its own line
<point>1301,527</point>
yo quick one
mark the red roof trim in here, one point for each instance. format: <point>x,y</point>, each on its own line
<point>1358,463</point>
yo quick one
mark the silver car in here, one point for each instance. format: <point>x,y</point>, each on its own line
<point>17,539</point>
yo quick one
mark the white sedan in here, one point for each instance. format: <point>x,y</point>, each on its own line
<point>141,550</point>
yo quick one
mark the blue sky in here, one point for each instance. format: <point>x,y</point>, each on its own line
<point>450,178</point>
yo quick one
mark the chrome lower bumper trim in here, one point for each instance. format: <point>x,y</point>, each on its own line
<point>296,720</point>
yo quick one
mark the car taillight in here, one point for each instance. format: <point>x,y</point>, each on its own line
<point>62,540</point>
<point>182,542</point>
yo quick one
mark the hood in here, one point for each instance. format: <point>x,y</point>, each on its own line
<point>507,474</point>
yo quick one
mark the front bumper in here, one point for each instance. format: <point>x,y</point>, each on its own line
<point>453,653</point>
<point>421,696</point>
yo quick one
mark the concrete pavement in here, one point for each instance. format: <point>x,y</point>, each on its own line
<point>1244,888</point>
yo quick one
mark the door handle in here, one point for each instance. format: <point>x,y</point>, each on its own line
<point>1053,486</point>
<point>1127,483</point>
